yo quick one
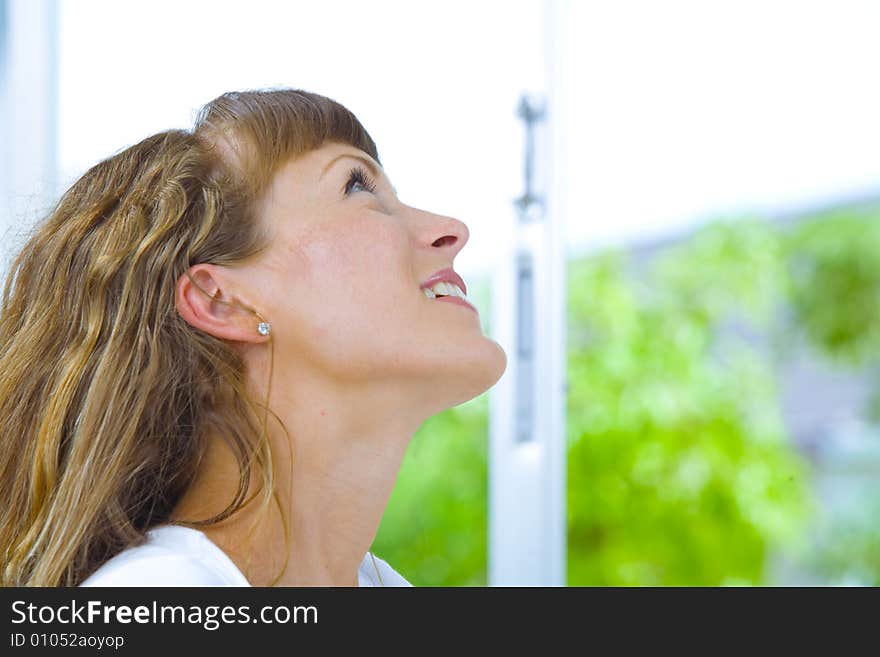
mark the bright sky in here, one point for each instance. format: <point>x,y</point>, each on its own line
<point>677,111</point>
<point>683,110</point>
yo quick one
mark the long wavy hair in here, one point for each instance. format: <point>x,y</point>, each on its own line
<point>107,396</point>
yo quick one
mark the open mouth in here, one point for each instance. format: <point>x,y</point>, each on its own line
<point>444,289</point>
<point>449,292</point>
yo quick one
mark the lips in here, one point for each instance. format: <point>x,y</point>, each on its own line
<point>448,275</point>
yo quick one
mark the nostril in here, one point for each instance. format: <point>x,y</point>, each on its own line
<point>443,240</point>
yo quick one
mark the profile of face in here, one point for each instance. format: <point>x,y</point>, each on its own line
<point>341,284</point>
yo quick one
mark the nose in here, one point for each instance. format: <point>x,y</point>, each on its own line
<point>443,232</point>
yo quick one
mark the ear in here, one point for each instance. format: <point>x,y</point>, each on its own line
<point>209,304</point>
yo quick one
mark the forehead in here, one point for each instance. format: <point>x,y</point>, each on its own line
<point>320,169</point>
<point>311,171</point>
<point>321,160</point>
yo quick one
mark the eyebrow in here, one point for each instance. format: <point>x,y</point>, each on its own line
<point>368,162</point>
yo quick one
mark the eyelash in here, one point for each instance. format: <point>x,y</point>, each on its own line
<point>360,177</point>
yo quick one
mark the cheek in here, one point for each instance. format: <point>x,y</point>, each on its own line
<point>352,291</point>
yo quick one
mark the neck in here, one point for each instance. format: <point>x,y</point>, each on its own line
<point>334,476</point>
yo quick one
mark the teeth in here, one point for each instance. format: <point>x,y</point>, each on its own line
<point>444,288</point>
<point>457,291</point>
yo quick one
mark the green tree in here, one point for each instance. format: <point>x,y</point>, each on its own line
<point>680,471</point>
<point>834,283</point>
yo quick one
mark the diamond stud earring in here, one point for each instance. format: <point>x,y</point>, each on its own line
<point>263,328</point>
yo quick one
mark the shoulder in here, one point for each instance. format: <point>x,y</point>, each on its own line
<point>172,556</point>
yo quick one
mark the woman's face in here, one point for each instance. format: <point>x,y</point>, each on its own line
<point>341,281</point>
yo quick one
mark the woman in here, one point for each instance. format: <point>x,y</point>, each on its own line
<point>215,350</point>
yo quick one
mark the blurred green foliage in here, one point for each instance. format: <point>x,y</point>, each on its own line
<point>679,467</point>
<point>680,471</point>
<point>834,263</point>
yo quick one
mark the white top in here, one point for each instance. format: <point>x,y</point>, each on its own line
<point>181,556</point>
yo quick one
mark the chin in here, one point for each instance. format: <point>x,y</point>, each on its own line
<point>499,363</point>
<point>482,372</point>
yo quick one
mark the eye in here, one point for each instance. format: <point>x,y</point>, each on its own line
<point>358,176</point>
